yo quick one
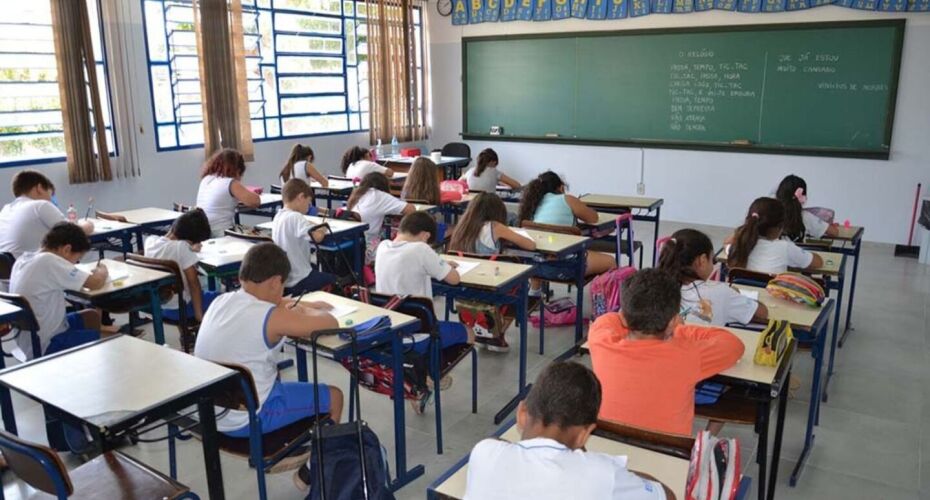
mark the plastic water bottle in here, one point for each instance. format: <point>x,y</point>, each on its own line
<point>72,214</point>
<point>379,150</point>
<point>395,147</point>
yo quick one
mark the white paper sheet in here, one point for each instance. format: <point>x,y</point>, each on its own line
<point>116,272</point>
<point>464,266</point>
<point>340,310</point>
<point>522,232</point>
<point>752,294</point>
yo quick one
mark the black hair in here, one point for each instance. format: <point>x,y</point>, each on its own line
<point>352,155</point>
<point>417,222</point>
<point>264,261</point>
<point>649,300</point>
<point>25,180</point>
<point>485,157</point>
<point>533,193</point>
<point>794,222</point>
<point>298,153</point>
<point>192,226</point>
<point>565,394</point>
<point>66,233</point>
<point>374,180</point>
<point>680,251</point>
<point>765,216</point>
<point>294,188</point>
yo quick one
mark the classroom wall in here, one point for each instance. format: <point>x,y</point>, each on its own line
<point>713,187</point>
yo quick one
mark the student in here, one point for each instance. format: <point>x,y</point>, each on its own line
<point>221,190</point>
<point>248,326</point>
<point>300,166</point>
<point>421,184</point>
<point>546,202</point>
<point>550,462</point>
<point>372,200</point>
<point>689,256</point>
<point>292,232</point>
<point>485,176</point>
<point>758,246</point>
<point>26,219</point>
<point>43,277</point>
<point>649,361</point>
<point>792,193</point>
<point>181,245</point>
<point>483,227</point>
<point>357,164</point>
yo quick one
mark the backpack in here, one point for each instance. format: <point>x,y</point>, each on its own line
<point>559,312</point>
<point>714,472</point>
<point>606,289</point>
<point>797,288</point>
<point>342,470</point>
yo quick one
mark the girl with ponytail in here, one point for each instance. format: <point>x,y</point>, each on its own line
<point>356,164</point>
<point>758,246</point>
<point>689,256</point>
<point>792,193</point>
<point>300,166</point>
<point>485,176</point>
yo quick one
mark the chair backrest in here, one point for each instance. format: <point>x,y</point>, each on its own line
<point>552,228</point>
<point>240,396</point>
<point>26,321</point>
<point>109,216</point>
<point>6,265</point>
<point>459,149</point>
<point>669,444</point>
<point>740,276</point>
<point>248,233</point>
<point>275,189</point>
<point>180,207</point>
<point>177,287</point>
<point>37,465</point>
<point>418,307</point>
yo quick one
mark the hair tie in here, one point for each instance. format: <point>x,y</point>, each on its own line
<point>673,240</point>
<point>754,215</point>
<point>799,195</point>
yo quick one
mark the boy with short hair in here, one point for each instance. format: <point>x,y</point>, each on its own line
<point>26,219</point>
<point>181,245</point>
<point>649,361</point>
<point>43,277</point>
<point>555,421</point>
<point>292,232</point>
<point>248,326</point>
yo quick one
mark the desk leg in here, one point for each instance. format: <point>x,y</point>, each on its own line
<point>655,241</point>
<point>359,256</point>
<point>301,356</point>
<point>6,405</point>
<point>762,454</point>
<point>579,295</point>
<point>404,476</point>
<point>779,430</point>
<point>211,450</point>
<point>158,325</point>
<point>841,282</point>
<point>813,413</point>
<point>522,315</point>
<point>852,293</point>
<point>140,242</point>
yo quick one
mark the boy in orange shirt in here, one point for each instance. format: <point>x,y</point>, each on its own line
<point>648,361</point>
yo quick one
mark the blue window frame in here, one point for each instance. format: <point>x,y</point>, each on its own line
<point>306,68</point>
<point>31,129</point>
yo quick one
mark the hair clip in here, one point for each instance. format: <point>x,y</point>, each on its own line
<point>673,240</point>
<point>754,215</point>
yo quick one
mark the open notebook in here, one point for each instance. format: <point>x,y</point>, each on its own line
<point>116,272</point>
<point>464,266</point>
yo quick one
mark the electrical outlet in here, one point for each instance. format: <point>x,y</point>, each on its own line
<point>641,188</point>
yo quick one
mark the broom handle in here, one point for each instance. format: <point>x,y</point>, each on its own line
<point>910,232</point>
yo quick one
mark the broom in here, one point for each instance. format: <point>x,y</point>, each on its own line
<point>910,250</point>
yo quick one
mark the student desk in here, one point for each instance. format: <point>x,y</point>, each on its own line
<point>558,257</point>
<point>642,208</point>
<point>401,324</point>
<point>106,231</point>
<point>221,257</point>
<point>810,327</point>
<point>451,165</point>
<point>8,314</point>
<point>340,188</point>
<point>141,281</point>
<point>115,383</point>
<point>494,282</point>
<point>344,234</point>
<point>848,242</point>
<point>149,220</point>
<point>268,206</point>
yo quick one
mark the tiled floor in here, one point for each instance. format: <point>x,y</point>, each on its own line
<point>874,432</point>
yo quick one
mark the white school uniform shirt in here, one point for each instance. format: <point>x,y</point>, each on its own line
<point>178,251</point>
<point>299,171</point>
<point>217,201</point>
<point>42,278</point>
<point>373,206</point>
<point>776,256</point>
<point>234,331</point>
<point>362,168</point>
<point>290,230</point>
<point>814,226</point>
<point>24,222</point>
<point>486,182</point>
<point>716,303</point>
<point>408,268</point>
<point>544,469</point>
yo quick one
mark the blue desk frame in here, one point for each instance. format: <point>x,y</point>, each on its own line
<point>6,401</point>
<point>154,307</point>
<point>640,214</point>
<point>851,247</point>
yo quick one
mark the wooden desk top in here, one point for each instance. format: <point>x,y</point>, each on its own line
<point>223,251</point>
<point>337,225</point>
<point>604,220</point>
<point>137,276</point>
<point>798,315</point>
<point>849,233</point>
<point>149,215</point>
<point>671,471</point>
<point>552,243</point>
<point>484,275</point>
<point>832,262</point>
<point>334,185</point>
<point>103,226</point>
<point>112,380</point>
<point>269,199</point>
<point>363,313</point>
<point>407,159</point>
<point>613,201</point>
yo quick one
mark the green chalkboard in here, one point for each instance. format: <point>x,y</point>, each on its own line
<point>824,88</point>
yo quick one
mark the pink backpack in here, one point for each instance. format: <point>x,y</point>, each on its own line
<point>606,288</point>
<point>452,190</point>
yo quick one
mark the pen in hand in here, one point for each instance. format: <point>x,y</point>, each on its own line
<point>297,300</point>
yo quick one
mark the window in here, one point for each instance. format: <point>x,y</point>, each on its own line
<point>31,129</point>
<point>306,66</point>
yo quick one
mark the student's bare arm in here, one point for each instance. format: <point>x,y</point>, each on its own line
<point>453,277</point>
<point>314,174</point>
<point>761,315</point>
<point>581,211</point>
<point>816,263</point>
<point>193,288</point>
<point>98,278</point>
<point>388,173</point>
<point>505,233</point>
<point>244,196</point>
<point>298,322</point>
<point>833,230</point>
<point>510,181</point>
<point>87,226</point>
<point>409,209</point>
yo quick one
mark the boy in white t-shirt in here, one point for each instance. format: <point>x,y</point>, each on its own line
<point>292,232</point>
<point>26,219</point>
<point>550,463</point>
<point>181,245</point>
<point>43,277</point>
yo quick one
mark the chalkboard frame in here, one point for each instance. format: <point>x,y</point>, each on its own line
<point>897,23</point>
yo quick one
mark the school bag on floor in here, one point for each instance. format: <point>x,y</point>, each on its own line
<point>560,312</point>
<point>606,289</point>
<point>487,321</point>
<point>714,472</point>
